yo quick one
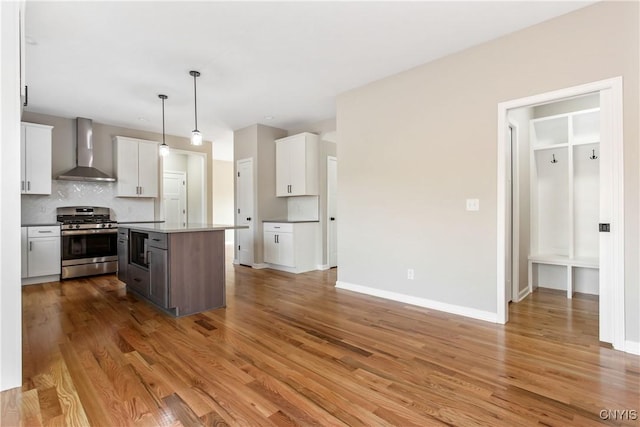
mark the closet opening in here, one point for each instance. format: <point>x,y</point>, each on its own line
<point>560,175</point>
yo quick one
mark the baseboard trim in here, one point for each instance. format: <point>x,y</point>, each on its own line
<point>322,267</point>
<point>260,266</point>
<point>523,294</point>
<point>459,310</point>
<point>40,279</point>
<point>235,261</point>
<point>632,347</point>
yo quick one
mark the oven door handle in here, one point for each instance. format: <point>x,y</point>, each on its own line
<point>90,231</point>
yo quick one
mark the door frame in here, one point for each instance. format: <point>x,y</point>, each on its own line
<point>612,297</point>
<point>328,219</point>
<point>159,205</point>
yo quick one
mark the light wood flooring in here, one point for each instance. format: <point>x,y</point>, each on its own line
<point>293,350</point>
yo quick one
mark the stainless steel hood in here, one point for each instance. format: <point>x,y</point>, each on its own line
<point>84,171</point>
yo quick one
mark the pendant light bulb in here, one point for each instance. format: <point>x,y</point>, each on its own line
<point>163,150</point>
<point>196,136</point>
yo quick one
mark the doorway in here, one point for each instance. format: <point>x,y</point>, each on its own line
<point>611,207</point>
<point>244,211</point>
<point>194,167</point>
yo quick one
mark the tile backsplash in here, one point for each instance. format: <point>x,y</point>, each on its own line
<point>42,209</point>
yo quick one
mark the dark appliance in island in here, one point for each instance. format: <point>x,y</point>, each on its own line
<point>89,241</point>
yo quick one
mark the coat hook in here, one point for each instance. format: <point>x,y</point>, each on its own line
<point>554,159</point>
<point>593,155</point>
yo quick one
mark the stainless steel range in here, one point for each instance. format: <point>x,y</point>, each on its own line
<point>89,241</point>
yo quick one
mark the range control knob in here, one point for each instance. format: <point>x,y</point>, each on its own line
<point>77,226</point>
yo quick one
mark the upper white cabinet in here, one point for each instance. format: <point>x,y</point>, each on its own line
<point>35,158</point>
<point>297,165</point>
<point>136,166</point>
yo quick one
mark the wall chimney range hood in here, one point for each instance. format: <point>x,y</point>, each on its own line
<point>84,171</point>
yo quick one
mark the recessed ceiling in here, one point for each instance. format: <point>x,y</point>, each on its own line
<point>108,61</point>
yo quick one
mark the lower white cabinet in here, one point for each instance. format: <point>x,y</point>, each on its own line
<point>291,246</point>
<point>40,254</point>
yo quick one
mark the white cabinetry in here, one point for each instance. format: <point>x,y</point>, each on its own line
<point>291,246</point>
<point>136,167</point>
<point>35,158</point>
<point>565,201</point>
<point>297,165</point>
<point>40,254</point>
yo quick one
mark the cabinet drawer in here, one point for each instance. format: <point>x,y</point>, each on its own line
<point>138,280</point>
<point>44,231</point>
<point>158,240</point>
<point>281,227</point>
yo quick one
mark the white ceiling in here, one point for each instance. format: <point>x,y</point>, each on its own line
<point>109,60</point>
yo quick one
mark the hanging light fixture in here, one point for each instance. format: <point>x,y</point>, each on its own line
<point>164,148</point>
<point>196,136</point>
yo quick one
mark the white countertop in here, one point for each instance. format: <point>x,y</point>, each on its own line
<point>164,227</point>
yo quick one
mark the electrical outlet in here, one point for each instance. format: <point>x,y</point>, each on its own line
<point>473,204</point>
<point>410,274</point>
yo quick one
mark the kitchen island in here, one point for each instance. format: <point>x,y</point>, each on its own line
<point>179,268</point>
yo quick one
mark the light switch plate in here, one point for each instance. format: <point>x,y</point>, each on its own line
<point>473,204</point>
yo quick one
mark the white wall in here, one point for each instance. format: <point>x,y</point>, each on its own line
<point>415,145</point>
<point>10,289</point>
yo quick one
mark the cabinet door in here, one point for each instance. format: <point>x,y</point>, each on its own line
<point>158,277</point>
<point>23,158</point>
<point>282,168</point>
<point>148,169</point>
<point>44,256</point>
<point>286,254</point>
<point>127,167</point>
<point>24,252</point>
<point>270,248</point>
<point>123,259</point>
<point>37,159</point>
<point>297,167</point>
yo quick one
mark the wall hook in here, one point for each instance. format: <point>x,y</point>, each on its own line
<point>593,155</point>
<point>554,159</point>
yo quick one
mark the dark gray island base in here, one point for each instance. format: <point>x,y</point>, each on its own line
<point>180,269</point>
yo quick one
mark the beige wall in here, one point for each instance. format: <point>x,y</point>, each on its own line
<point>223,195</point>
<point>64,147</point>
<point>415,145</point>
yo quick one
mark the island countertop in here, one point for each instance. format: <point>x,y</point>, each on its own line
<point>165,227</point>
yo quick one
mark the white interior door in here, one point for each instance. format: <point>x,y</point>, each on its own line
<point>174,189</point>
<point>244,211</point>
<point>332,223</point>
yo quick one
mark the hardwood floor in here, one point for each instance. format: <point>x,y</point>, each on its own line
<point>293,350</point>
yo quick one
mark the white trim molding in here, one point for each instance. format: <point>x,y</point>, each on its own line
<point>612,297</point>
<point>632,347</point>
<point>459,310</point>
<point>260,266</point>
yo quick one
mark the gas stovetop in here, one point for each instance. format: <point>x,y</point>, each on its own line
<point>85,217</point>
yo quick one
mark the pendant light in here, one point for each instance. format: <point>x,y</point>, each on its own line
<point>196,136</point>
<point>164,148</point>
